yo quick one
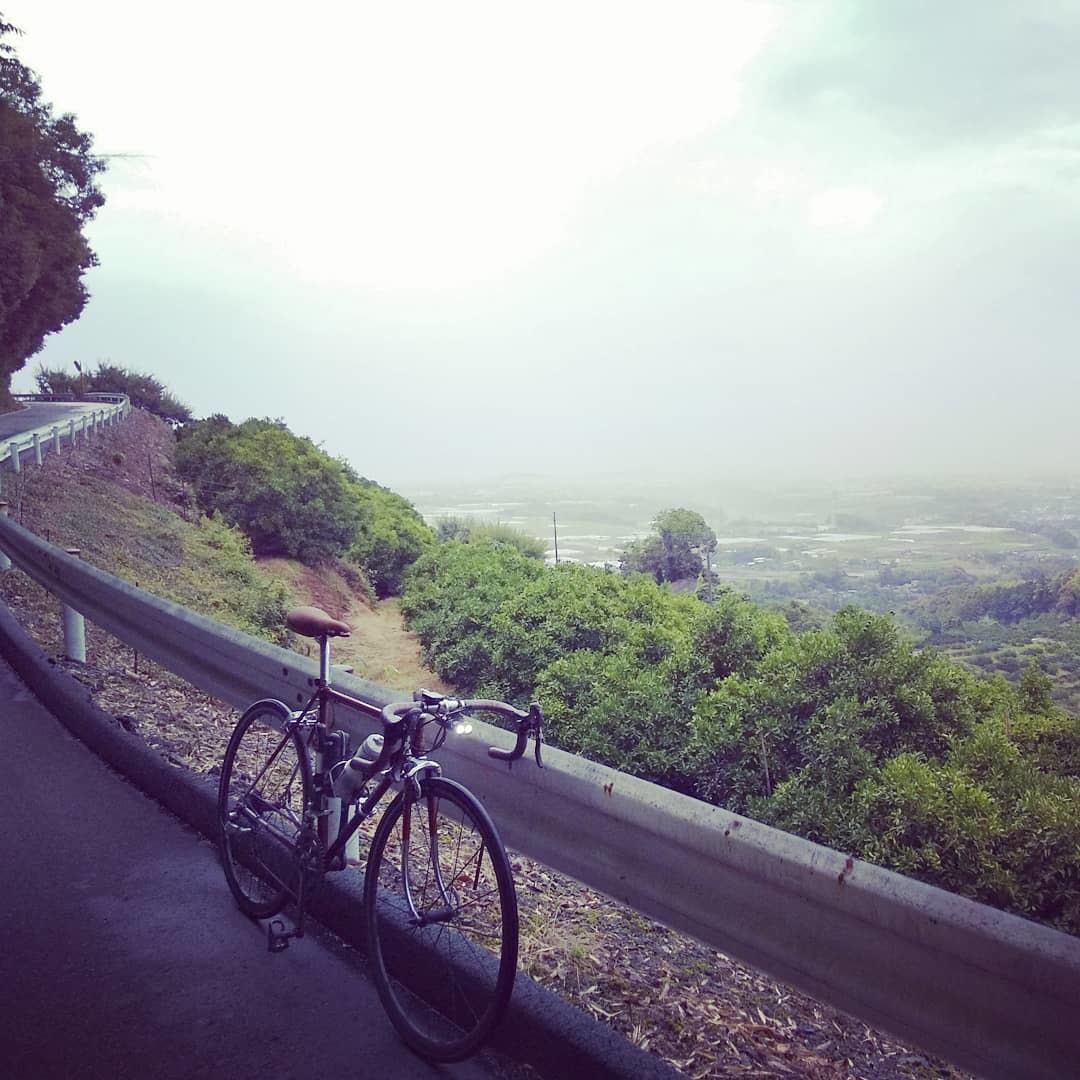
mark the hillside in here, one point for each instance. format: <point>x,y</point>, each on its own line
<point>120,501</point>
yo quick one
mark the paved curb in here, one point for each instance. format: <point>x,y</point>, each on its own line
<point>541,1029</point>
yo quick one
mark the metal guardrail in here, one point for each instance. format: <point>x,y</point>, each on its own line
<point>994,993</point>
<point>114,407</point>
<point>115,399</point>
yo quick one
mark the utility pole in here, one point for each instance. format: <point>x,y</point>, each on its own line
<point>555,526</point>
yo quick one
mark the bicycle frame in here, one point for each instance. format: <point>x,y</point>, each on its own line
<point>324,697</point>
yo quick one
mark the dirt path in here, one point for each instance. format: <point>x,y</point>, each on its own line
<point>383,650</point>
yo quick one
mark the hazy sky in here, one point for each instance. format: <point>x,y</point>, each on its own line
<point>461,240</point>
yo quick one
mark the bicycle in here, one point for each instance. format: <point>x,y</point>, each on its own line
<point>439,899</point>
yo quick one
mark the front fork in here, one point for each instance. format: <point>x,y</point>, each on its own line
<point>447,908</point>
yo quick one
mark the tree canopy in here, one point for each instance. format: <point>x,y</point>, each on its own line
<point>292,498</point>
<point>676,548</point>
<point>145,391</point>
<point>48,192</point>
<point>289,497</point>
<point>845,734</point>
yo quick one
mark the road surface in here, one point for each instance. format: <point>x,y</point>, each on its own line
<point>42,413</point>
<point>123,955</point>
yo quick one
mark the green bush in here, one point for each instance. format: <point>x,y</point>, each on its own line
<point>237,592</point>
<point>291,498</point>
<point>288,496</point>
<point>451,595</point>
<point>470,530</point>
<point>846,735</point>
<point>389,535</point>
<point>145,391</point>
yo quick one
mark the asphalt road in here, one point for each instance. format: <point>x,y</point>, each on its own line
<point>123,955</point>
<point>41,413</point>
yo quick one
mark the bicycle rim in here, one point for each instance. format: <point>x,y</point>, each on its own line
<point>442,924</point>
<point>264,787</point>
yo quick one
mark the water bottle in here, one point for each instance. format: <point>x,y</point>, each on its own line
<point>358,769</point>
<point>368,754</point>
<point>350,783</point>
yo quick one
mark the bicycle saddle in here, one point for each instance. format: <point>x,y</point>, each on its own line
<point>315,623</point>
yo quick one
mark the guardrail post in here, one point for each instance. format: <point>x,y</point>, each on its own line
<point>85,431</point>
<point>5,562</point>
<point>16,465</point>
<point>37,448</point>
<point>74,627</point>
<point>56,439</point>
<point>71,430</point>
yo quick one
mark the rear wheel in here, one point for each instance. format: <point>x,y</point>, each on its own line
<point>265,785</point>
<point>442,923</point>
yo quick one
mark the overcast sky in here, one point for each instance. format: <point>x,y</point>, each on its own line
<point>454,241</point>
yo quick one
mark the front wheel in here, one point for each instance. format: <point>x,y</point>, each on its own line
<point>442,922</point>
<point>265,786</point>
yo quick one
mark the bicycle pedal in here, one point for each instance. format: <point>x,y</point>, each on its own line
<point>277,937</point>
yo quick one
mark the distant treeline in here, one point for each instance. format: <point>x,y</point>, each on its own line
<point>1004,603</point>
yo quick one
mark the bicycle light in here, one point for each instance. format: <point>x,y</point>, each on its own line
<point>462,728</point>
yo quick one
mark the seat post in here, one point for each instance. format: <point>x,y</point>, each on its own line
<point>324,659</point>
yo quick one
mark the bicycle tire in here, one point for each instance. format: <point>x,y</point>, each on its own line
<point>444,984</point>
<point>264,788</point>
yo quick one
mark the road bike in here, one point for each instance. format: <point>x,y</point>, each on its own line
<point>440,907</point>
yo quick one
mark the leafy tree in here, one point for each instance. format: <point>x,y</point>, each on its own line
<point>452,528</point>
<point>48,192</point>
<point>567,609</point>
<point>1035,689</point>
<point>801,616</point>
<point>289,497</point>
<point>629,702</point>
<point>829,705</point>
<point>389,537</point>
<point>675,550</point>
<point>614,709</point>
<point>846,735</point>
<point>987,822</point>
<point>145,391</point>
<point>452,593</point>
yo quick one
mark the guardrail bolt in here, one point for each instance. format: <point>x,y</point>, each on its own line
<point>74,627</point>
<point>5,562</point>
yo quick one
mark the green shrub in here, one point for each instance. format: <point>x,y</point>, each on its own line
<point>288,496</point>
<point>238,594</point>
<point>389,535</point>
<point>451,595</point>
<point>145,391</point>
